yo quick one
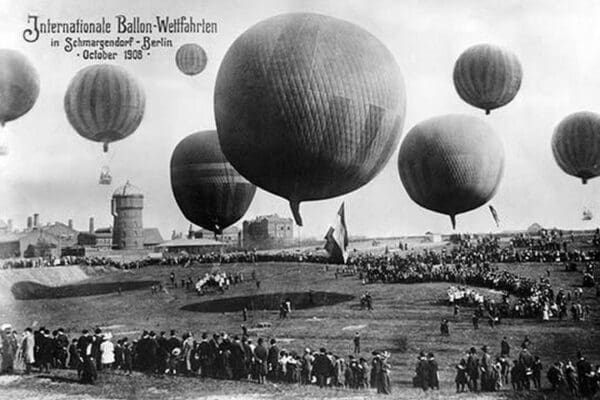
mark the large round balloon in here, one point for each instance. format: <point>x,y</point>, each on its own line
<point>487,76</point>
<point>208,190</point>
<point>190,59</point>
<point>19,85</point>
<point>104,103</point>
<point>451,164</point>
<point>576,145</point>
<point>308,107</point>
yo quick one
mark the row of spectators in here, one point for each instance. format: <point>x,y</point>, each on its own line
<point>219,357</point>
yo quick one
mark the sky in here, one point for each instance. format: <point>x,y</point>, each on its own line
<point>53,171</point>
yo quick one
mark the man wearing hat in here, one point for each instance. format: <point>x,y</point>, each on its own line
<point>8,349</point>
<point>422,372</point>
<point>62,346</point>
<point>584,370</point>
<point>28,345</point>
<point>486,370</point>
<point>472,369</point>
<point>260,357</point>
<point>433,380</point>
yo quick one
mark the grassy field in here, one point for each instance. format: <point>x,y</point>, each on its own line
<point>410,311</point>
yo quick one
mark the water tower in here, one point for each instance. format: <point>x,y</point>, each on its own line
<point>126,207</point>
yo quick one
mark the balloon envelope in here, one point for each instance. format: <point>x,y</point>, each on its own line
<point>208,190</point>
<point>19,85</point>
<point>308,107</point>
<point>451,164</point>
<point>104,103</point>
<point>487,76</point>
<point>190,59</point>
<point>576,145</point>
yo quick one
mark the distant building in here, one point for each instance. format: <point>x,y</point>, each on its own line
<point>232,236</point>
<point>192,246</point>
<point>433,237</point>
<point>152,238</point>
<point>126,207</point>
<point>268,231</point>
<point>534,229</point>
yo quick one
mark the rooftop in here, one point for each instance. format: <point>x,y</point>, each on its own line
<point>128,190</point>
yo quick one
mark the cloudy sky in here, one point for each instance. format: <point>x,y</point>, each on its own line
<point>53,171</point>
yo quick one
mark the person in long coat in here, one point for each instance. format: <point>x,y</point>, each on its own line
<point>375,370</point>
<point>384,385</point>
<point>486,370</point>
<point>432,378</point>
<point>461,376</point>
<point>28,345</point>
<point>188,347</point>
<point>7,349</point>
<point>260,356</point>
<point>472,369</point>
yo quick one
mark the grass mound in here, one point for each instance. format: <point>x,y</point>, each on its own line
<point>28,290</point>
<point>269,301</point>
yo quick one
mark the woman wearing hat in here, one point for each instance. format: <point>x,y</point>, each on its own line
<point>384,385</point>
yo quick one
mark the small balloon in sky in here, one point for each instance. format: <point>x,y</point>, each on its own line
<point>487,76</point>
<point>191,59</point>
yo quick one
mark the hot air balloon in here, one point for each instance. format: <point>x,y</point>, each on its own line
<point>208,190</point>
<point>576,145</point>
<point>19,87</point>
<point>487,76</point>
<point>104,103</point>
<point>308,107</point>
<point>190,59</point>
<point>451,164</point>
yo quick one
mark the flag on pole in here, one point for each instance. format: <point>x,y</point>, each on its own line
<point>495,215</point>
<point>337,239</point>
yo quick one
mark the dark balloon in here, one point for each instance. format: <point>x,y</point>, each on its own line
<point>487,76</point>
<point>208,190</point>
<point>19,85</point>
<point>104,103</point>
<point>191,59</point>
<point>576,145</point>
<point>308,107</point>
<point>451,164</point>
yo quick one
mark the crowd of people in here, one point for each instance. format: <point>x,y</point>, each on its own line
<point>218,356</point>
<point>487,373</point>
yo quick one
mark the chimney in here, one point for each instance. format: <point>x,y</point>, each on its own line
<point>9,223</point>
<point>36,220</point>
<point>29,222</point>
<point>70,224</point>
<point>92,225</point>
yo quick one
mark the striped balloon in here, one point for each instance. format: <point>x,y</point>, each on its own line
<point>208,190</point>
<point>191,59</point>
<point>576,145</point>
<point>309,107</point>
<point>19,85</point>
<point>451,164</point>
<point>487,76</point>
<point>104,103</point>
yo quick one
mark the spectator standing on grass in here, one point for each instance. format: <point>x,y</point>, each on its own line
<point>461,376</point>
<point>584,370</point>
<point>260,356</point>
<point>73,355</point>
<point>504,347</point>
<point>537,372</point>
<point>384,383</point>
<point>356,342</point>
<point>433,380</point>
<point>107,350</point>
<point>273,360</point>
<point>473,369</point>
<point>127,357</point>
<point>475,320</point>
